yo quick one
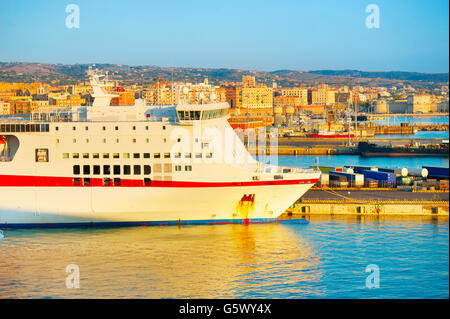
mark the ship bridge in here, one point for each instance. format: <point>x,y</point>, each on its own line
<point>189,113</point>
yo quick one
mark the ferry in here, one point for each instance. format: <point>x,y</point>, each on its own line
<point>136,165</point>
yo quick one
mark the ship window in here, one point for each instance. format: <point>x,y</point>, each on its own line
<point>255,178</point>
<point>85,155</point>
<point>136,155</point>
<point>177,168</point>
<point>278,177</point>
<point>198,155</point>
<point>126,170</point>
<point>147,140</point>
<point>164,140</point>
<point>116,181</point>
<point>126,155</point>
<point>75,155</point>
<point>74,128</point>
<point>146,128</point>
<point>134,140</point>
<point>166,155</point>
<point>188,155</point>
<point>137,169</point>
<point>65,155</point>
<point>177,155</point>
<point>104,128</point>
<point>164,127</point>
<point>86,169</point>
<point>76,170</point>
<point>147,181</point>
<point>146,155</point>
<point>47,127</point>
<point>178,139</point>
<point>96,169</point>
<point>87,181</point>
<point>147,169</point>
<point>74,140</point>
<point>95,155</point>
<point>57,128</point>
<point>188,168</point>
<point>115,155</point>
<point>86,128</point>
<point>134,128</point>
<point>116,128</point>
<point>105,155</point>
<point>57,141</point>
<point>117,140</point>
<point>87,140</point>
<point>104,140</point>
<point>116,169</point>
<point>106,181</point>
<point>156,155</point>
<point>106,169</point>
<point>208,155</point>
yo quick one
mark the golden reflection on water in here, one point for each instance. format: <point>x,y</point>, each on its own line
<point>219,261</point>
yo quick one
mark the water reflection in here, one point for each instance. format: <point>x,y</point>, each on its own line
<point>226,261</point>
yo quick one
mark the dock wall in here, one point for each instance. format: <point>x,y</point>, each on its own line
<point>317,207</point>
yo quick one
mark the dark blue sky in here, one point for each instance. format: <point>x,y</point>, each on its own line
<point>254,35</point>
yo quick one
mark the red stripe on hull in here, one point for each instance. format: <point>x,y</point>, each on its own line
<point>53,181</point>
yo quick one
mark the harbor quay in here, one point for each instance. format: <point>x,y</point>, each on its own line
<point>329,201</point>
<point>337,146</point>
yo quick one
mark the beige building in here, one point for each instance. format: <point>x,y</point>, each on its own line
<point>257,97</point>
<point>443,107</point>
<point>248,81</point>
<point>5,108</point>
<point>301,95</point>
<point>422,103</point>
<point>321,95</point>
<point>417,103</point>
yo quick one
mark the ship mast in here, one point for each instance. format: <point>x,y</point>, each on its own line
<point>101,97</point>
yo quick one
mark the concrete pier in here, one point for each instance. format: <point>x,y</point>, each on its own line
<point>369,202</point>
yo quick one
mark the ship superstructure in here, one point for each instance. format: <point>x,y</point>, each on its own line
<point>136,164</point>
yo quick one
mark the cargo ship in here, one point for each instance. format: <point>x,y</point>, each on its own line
<point>136,165</point>
<point>372,150</point>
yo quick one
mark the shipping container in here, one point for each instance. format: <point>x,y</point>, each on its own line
<point>437,172</point>
<point>383,178</point>
<point>335,177</point>
<point>338,183</point>
<point>359,169</point>
<point>324,179</point>
<point>352,178</point>
<point>368,182</point>
<point>396,171</point>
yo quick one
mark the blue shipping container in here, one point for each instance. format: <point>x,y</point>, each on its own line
<point>383,177</point>
<point>437,172</point>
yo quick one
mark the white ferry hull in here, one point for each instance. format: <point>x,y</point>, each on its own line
<point>74,205</point>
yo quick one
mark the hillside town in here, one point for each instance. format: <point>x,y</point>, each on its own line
<point>252,104</point>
